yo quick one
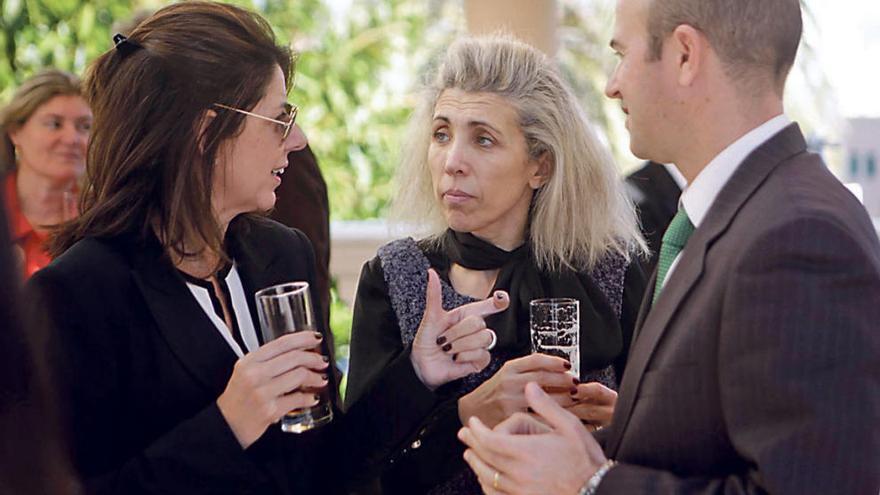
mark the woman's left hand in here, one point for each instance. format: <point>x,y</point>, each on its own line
<point>451,344</point>
<point>594,404</point>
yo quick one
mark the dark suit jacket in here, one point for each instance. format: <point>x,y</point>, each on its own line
<point>757,370</point>
<point>655,194</point>
<point>140,366</point>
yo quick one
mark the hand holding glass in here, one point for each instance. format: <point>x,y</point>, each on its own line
<point>287,308</point>
<point>554,327</point>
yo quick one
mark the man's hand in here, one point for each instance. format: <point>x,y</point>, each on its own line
<point>551,452</point>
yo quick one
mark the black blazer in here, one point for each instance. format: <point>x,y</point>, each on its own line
<point>757,370</point>
<point>139,367</point>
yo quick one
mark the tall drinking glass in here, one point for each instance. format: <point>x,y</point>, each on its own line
<point>283,309</point>
<point>554,327</point>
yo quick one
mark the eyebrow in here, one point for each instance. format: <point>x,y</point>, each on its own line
<point>63,117</point>
<point>472,123</point>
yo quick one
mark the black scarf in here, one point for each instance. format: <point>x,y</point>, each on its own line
<point>601,339</point>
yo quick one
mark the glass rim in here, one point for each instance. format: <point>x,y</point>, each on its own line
<point>286,289</point>
<point>553,301</point>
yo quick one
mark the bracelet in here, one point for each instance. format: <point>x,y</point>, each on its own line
<point>592,484</point>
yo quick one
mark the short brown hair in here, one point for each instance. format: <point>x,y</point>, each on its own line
<point>752,37</point>
<point>31,95</point>
<point>148,168</point>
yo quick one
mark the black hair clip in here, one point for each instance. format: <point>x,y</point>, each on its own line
<point>124,45</point>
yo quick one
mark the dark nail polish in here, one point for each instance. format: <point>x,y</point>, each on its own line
<point>447,347</point>
<point>325,359</point>
<point>324,377</point>
<point>441,340</point>
<point>318,335</point>
<point>499,296</point>
<point>317,397</point>
<point>573,390</point>
<point>567,365</point>
<point>454,357</point>
<point>575,381</point>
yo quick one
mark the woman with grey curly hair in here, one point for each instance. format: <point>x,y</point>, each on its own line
<point>516,194</point>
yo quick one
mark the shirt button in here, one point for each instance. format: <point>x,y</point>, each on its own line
<point>416,444</point>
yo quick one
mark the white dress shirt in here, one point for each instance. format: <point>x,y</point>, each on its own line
<point>239,307</point>
<point>699,195</point>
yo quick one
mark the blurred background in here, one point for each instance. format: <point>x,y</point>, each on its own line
<point>361,61</point>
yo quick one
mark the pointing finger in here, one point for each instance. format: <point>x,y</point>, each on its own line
<point>489,306</point>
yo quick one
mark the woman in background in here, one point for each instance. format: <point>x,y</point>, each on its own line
<point>45,131</point>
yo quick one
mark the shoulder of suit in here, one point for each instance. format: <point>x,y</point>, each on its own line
<point>90,265</point>
<point>265,230</point>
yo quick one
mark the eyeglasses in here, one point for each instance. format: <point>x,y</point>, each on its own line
<point>289,109</point>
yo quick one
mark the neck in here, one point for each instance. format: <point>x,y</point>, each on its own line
<point>205,263</point>
<point>722,123</point>
<point>43,200</point>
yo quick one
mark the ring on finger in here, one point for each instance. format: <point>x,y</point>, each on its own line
<point>493,342</point>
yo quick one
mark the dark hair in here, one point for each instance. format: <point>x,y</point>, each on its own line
<point>752,37</point>
<point>148,167</point>
<point>31,95</point>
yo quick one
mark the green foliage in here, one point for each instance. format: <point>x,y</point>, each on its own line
<point>58,33</point>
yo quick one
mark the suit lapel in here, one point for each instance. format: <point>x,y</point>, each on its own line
<point>253,267</point>
<point>654,321</point>
<point>180,320</point>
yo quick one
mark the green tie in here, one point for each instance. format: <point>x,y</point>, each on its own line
<point>673,242</point>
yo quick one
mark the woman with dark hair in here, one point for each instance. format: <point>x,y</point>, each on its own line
<point>164,382</point>
<point>44,131</point>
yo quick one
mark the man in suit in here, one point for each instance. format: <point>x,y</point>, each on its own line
<point>755,366</point>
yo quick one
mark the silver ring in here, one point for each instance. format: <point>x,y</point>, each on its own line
<point>494,340</point>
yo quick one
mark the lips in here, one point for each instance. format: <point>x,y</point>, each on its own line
<point>456,196</point>
<point>278,172</point>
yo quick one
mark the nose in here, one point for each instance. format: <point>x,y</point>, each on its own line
<point>73,136</point>
<point>456,159</point>
<point>296,140</point>
<point>612,89</point>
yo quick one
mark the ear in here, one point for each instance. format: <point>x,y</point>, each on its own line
<point>13,135</point>
<point>205,121</point>
<point>543,172</point>
<point>690,48</point>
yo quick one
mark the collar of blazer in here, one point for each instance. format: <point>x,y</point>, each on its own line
<point>653,322</point>
<point>180,320</point>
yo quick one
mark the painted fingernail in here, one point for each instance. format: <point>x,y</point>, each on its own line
<point>575,381</point>
<point>499,295</point>
<point>318,335</point>
<point>454,357</point>
<point>325,359</point>
<point>441,340</point>
<point>573,390</point>
<point>567,365</point>
<point>324,377</point>
<point>447,347</point>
